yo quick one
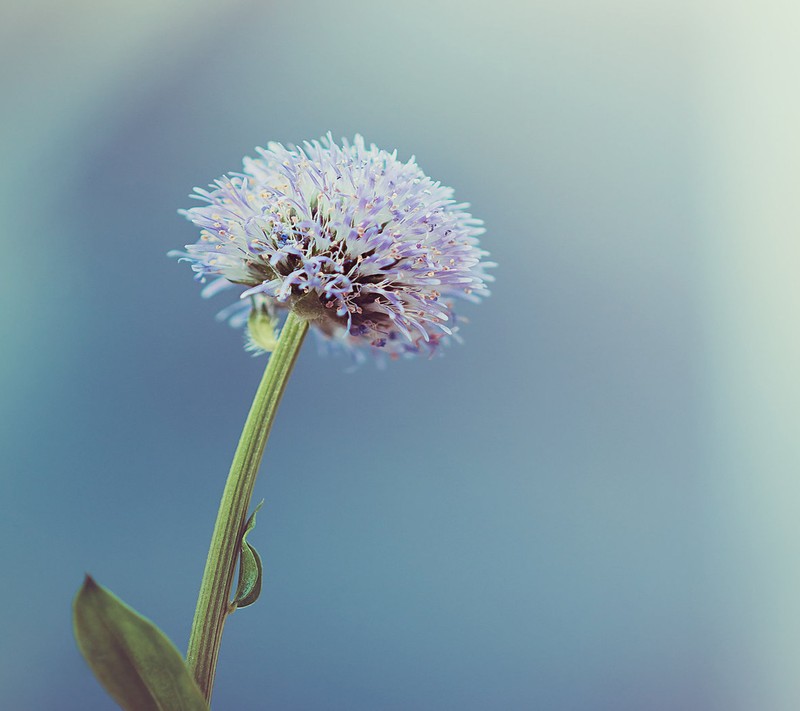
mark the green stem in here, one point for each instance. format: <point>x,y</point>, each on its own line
<point>215,588</point>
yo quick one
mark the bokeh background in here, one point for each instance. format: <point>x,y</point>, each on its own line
<point>593,504</point>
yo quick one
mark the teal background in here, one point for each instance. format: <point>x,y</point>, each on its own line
<point>592,504</point>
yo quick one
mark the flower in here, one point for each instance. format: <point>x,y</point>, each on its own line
<point>368,249</point>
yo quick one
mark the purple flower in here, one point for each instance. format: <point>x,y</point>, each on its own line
<point>370,250</point>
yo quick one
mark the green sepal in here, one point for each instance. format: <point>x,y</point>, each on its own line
<point>261,330</point>
<point>250,569</point>
<point>133,659</point>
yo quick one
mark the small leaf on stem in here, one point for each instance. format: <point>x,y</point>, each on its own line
<point>250,569</point>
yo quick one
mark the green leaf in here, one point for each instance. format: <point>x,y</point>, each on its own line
<point>130,656</point>
<point>250,569</point>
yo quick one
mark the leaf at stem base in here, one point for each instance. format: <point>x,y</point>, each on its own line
<point>133,659</point>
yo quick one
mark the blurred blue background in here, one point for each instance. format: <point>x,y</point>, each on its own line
<point>592,504</point>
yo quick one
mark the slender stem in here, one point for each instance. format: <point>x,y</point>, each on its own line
<point>215,588</point>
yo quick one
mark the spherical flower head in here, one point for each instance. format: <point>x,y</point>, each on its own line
<point>368,249</point>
